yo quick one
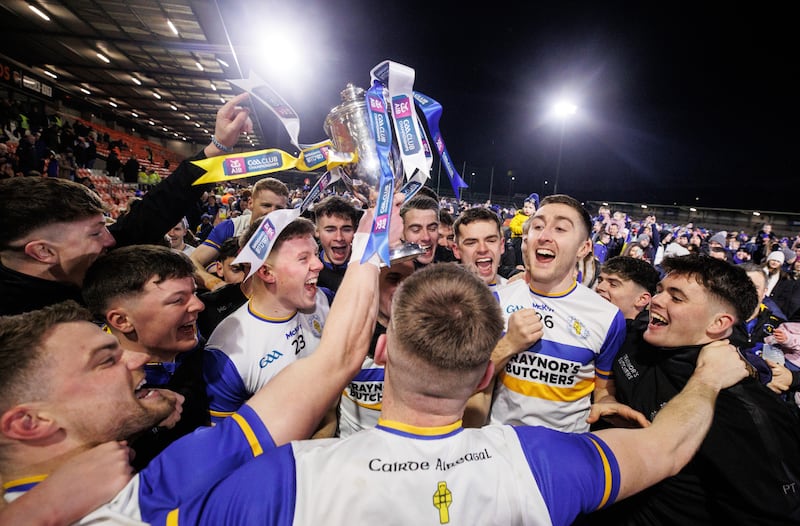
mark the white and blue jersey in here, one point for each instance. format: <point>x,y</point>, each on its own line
<point>360,405</point>
<point>187,467</point>
<point>551,383</point>
<point>399,474</point>
<point>228,228</point>
<point>499,281</point>
<point>247,349</point>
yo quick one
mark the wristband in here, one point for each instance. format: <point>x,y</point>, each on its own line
<point>359,246</point>
<point>220,146</point>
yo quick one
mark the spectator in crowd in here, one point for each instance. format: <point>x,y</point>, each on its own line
<point>268,194</point>
<point>479,244</point>
<point>27,157</point>
<point>282,322</point>
<point>634,250</point>
<point>205,227</point>
<point>698,303</point>
<point>446,236</point>
<point>53,160</point>
<point>130,171</point>
<point>53,229</point>
<point>177,237</point>
<point>616,239</point>
<point>600,246</point>
<point>67,167</point>
<point>336,220</point>
<point>419,442</point>
<point>781,288</point>
<point>751,334</point>
<point>421,225</point>
<point>550,316</point>
<point>113,163</point>
<point>90,150</point>
<point>628,283</point>
<point>529,206</point>
<point>764,240</point>
<point>144,294</point>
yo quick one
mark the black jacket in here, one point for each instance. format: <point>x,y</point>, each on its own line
<point>747,470</point>
<point>148,220</point>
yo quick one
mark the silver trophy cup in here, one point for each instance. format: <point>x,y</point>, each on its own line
<point>347,126</point>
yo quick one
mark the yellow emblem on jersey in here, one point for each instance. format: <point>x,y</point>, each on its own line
<point>441,501</point>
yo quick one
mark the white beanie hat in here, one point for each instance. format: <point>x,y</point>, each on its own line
<point>777,256</point>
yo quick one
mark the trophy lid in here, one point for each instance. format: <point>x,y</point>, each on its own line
<point>351,93</point>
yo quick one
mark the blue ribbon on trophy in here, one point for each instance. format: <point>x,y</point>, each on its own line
<point>379,124</point>
<point>433,112</point>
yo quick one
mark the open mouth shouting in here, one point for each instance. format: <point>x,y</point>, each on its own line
<point>544,255</point>
<point>311,285</point>
<point>657,320</point>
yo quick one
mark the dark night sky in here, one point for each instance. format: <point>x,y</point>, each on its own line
<point>677,102</point>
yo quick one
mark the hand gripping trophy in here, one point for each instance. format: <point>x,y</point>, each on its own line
<point>348,127</point>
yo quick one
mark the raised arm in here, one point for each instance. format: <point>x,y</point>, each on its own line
<point>646,456</point>
<point>292,404</point>
<point>165,204</point>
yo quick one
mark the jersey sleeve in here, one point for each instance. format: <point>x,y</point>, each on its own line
<point>224,385</point>
<point>614,339</point>
<point>219,234</point>
<point>581,462</point>
<point>261,492</point>
<point>195,462</point>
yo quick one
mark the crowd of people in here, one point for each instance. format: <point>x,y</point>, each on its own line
<point>541,366</point>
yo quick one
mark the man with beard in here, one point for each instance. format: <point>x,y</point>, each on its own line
<point>65,385</point>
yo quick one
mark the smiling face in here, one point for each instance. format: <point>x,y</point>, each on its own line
<point>264,202</point>
<point>164,316</point>
<point>336,237</point>
<point>555,242</point>
<point>176,235</point>
<point>93,385</point>
<point>422,227</point>
<point>480,245</point>
<point>682,313</point>
<point>294,270</point>
<point>77,245</point>
<point>626,294</point>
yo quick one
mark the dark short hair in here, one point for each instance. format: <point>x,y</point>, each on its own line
<point>337,206</point>
<point>637,270</point>
<point>125,271</point>
<point>29,203</point>
<point>420,202</point>
<point>471,215</point>
<point>573,203</point>
<point>445,217</point>
<point>725,281</point>
<point>228,249</point>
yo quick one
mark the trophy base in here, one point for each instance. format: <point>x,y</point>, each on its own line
<point>405,252</point>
